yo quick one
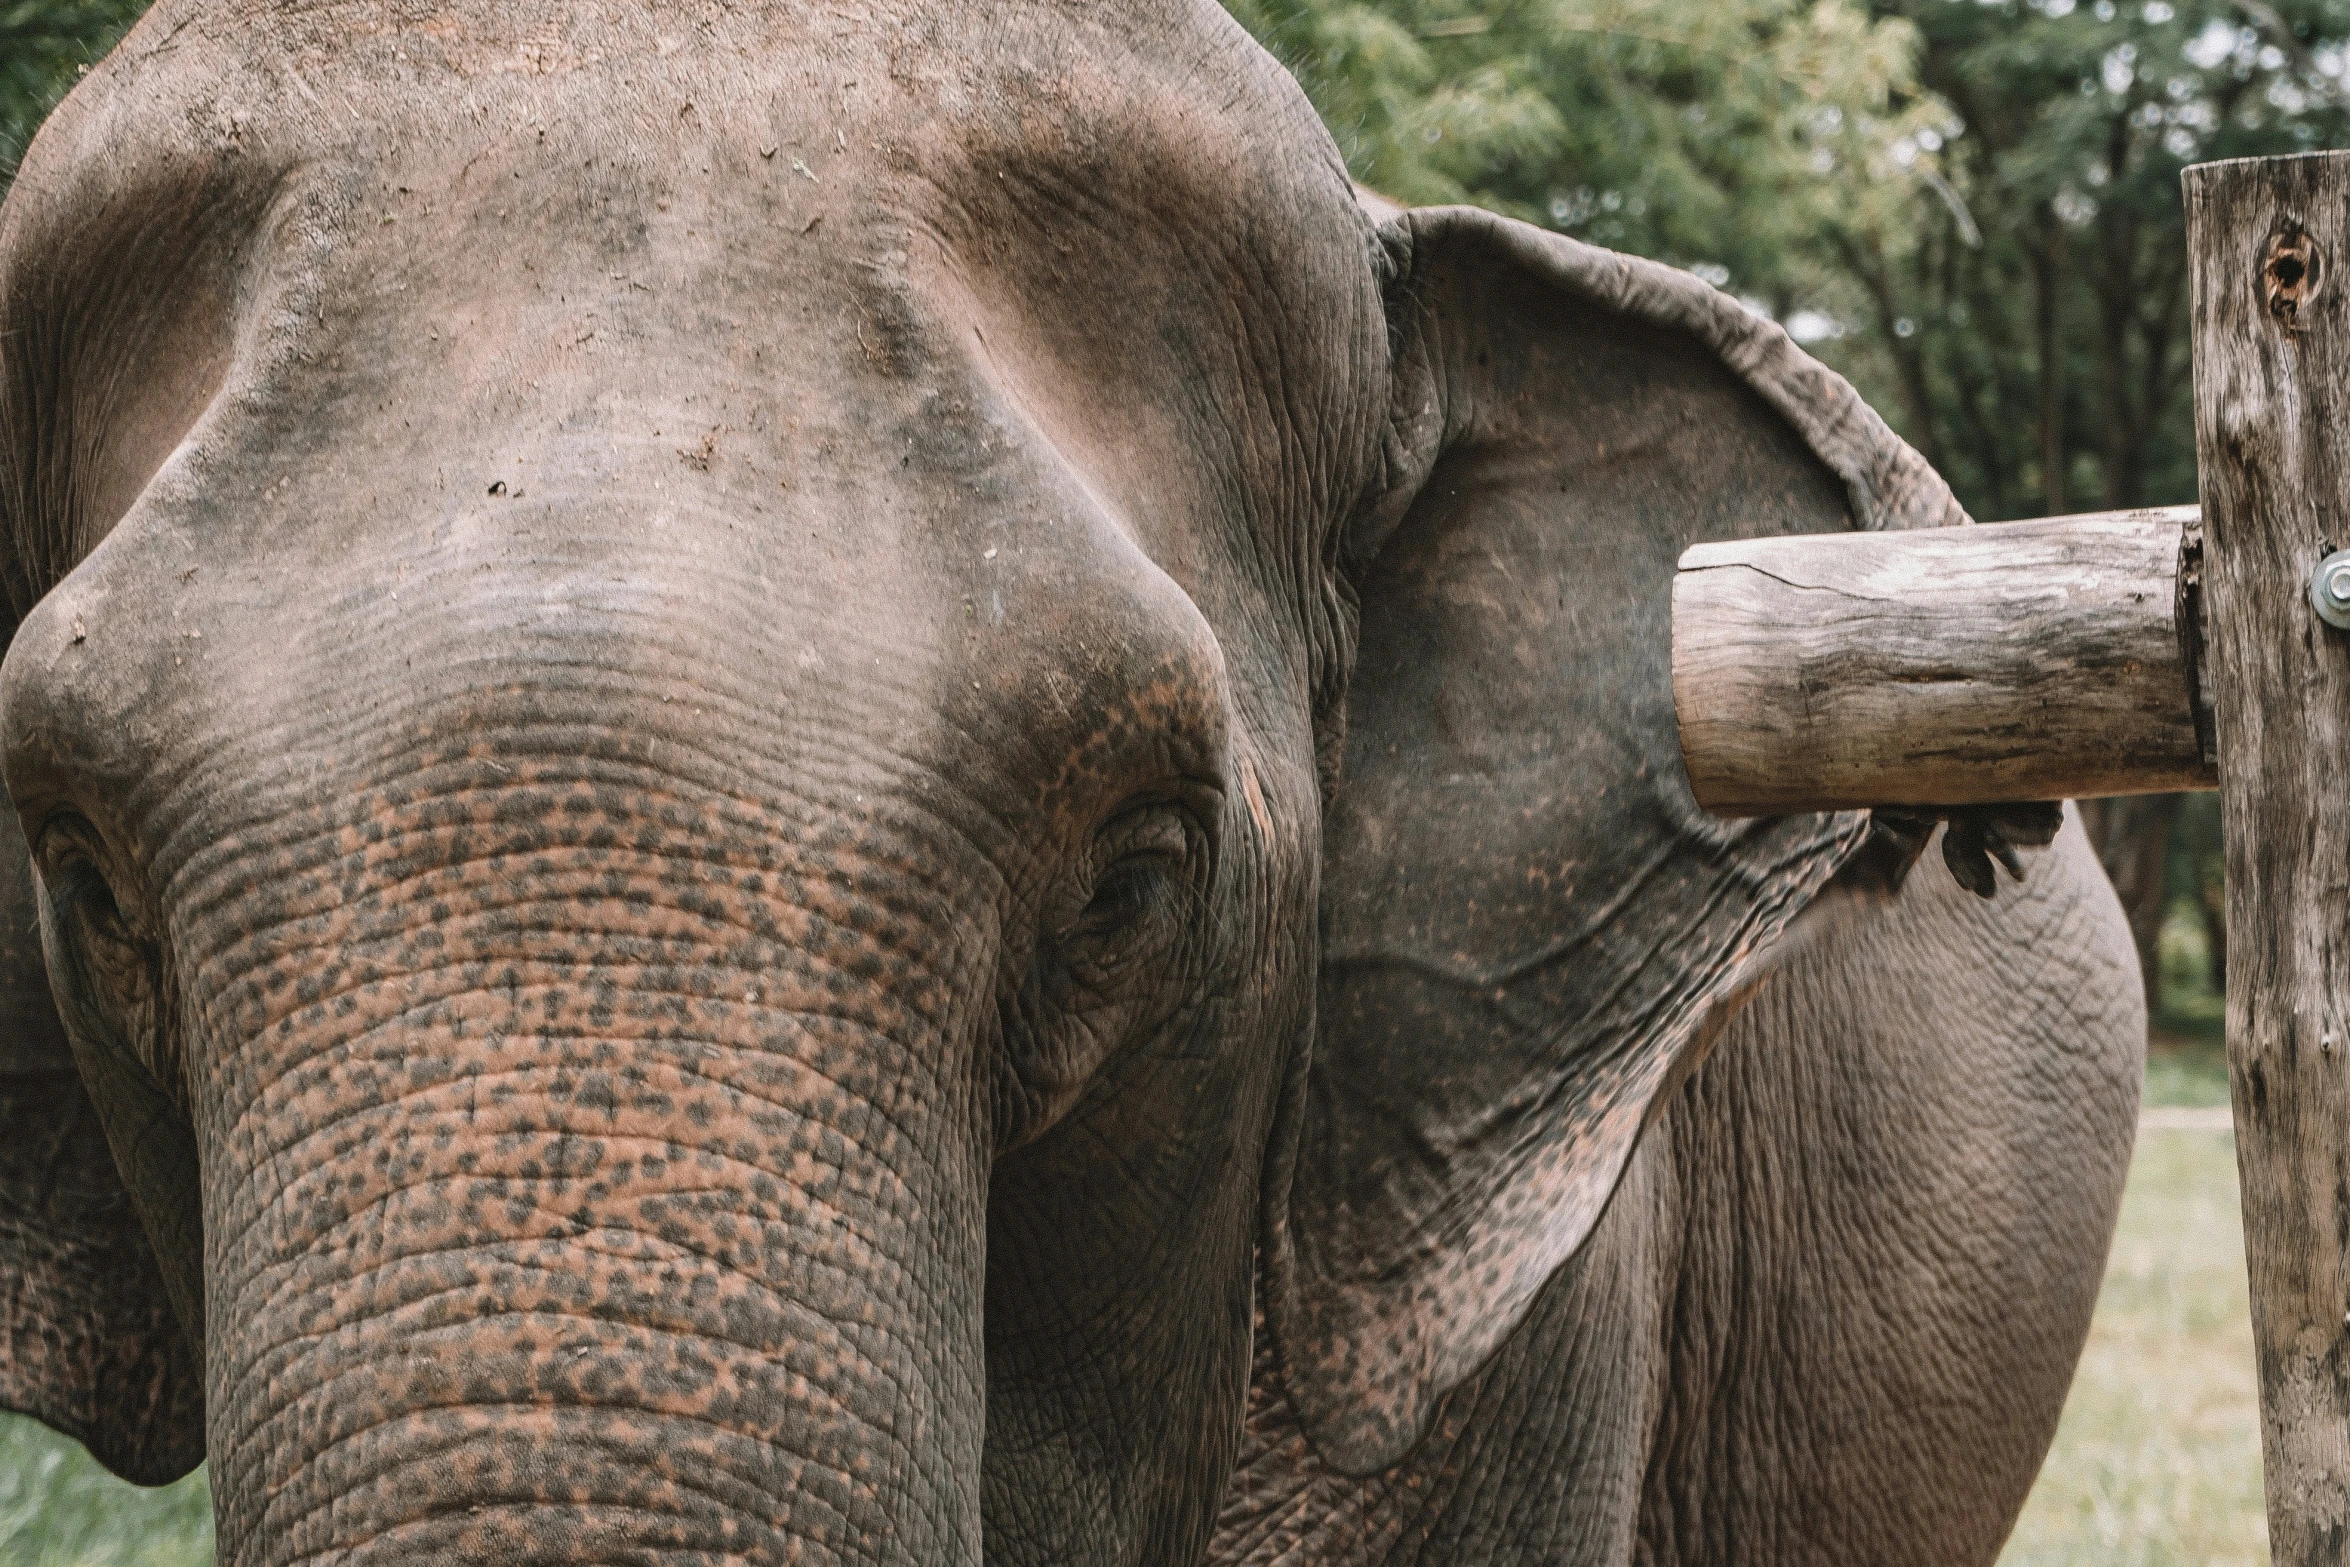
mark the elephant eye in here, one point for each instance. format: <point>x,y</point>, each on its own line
<point>103,974</point>
<point>80,891</point>
<point>1128,893</point>
<point>1140,900</point>
<point>1120,928</point>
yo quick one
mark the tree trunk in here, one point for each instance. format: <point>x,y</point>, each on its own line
<point>2212,900</point>
<point>2047,271</point>
<point>2267,238</point>
<point>1867,262</point>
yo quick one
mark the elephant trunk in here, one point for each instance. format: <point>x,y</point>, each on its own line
<point>597,1178</point>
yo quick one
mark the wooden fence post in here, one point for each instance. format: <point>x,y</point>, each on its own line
<point>2269,245</point>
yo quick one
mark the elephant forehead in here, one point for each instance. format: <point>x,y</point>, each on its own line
<point>883,286</point>
<point>762,143</point>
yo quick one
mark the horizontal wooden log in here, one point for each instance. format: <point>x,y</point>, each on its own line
<point>2038,660</point>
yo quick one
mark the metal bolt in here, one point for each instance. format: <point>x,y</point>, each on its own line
<point>2329,590</point>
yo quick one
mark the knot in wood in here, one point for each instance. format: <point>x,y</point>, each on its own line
<point>2290,273</point>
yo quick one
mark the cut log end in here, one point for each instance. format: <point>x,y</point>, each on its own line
<point>1954,666</point>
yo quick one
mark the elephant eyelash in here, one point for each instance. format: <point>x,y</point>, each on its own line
<point>1154,863</point>
<point>1100,978</point>
<point>78,887</point>
<point>1128,892</point>
<point>82,898</point>
<point>1137,921</point>
<point>82,912</point>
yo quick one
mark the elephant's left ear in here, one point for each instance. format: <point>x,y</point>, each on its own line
<point>1530,930</point>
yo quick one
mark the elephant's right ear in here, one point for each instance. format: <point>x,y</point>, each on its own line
<point>1530,930</point>
<point>89,1343</point>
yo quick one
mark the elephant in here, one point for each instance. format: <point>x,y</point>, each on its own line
<point>837,784</point>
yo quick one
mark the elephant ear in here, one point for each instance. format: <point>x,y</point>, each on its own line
<point>89,1343</point>
<point>1529,928</point>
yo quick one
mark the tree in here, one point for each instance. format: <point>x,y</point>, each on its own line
<point>1717,136</point>
<point>2037,345</point>
<point>2133,837</point>
<point>2197,872</point>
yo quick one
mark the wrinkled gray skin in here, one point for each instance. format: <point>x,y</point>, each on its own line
<point>1801,1332</point>
<point>836,784</point>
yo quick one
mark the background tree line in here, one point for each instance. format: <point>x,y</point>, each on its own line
<point>1970,207</point>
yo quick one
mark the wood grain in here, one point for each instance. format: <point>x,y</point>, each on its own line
<point>1949,666</point>
<point>2267,239</point>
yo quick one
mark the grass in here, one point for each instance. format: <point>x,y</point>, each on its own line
<point>2157,1460</point>
<point>2184,1071</point>
<point>59,1509</point>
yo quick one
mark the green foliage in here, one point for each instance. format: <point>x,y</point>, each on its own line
<point>1713,135</point>
<point>44,45</point>
<point>2041,361</point>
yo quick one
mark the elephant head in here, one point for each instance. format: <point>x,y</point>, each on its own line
<point>768,752</point>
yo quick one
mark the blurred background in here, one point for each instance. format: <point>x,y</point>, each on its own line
<point>1971,208</point>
